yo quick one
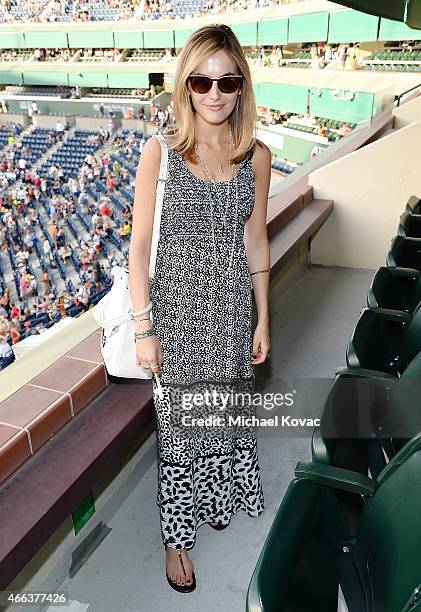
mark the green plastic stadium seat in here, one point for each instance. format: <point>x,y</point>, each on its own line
<point>413,205</point>
<point>410,225</point>
<point>307,554</point>
<point>404,253</point>
<point>384,341</point>
<point>395,289</point>
<point>366,421</point>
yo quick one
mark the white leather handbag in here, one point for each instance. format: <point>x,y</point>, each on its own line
<point>114,311</point>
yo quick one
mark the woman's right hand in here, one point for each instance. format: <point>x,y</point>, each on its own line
<point>149,352</point>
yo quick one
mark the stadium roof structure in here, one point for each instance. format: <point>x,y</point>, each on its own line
<point>408,11</point>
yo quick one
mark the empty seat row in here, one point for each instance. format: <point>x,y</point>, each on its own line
<point>347,532</point>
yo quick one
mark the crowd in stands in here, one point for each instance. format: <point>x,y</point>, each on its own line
<point>161,118</point>
<point>53,55</point>
<point>15,55</point>
<point>348,56</point>
<point>317,56</point>
<point>22,189</point>
<point>41,11</point>
<point>318,125</point>
<point>107,55</point>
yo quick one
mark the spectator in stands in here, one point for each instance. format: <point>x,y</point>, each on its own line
<point>60,127</point>
<point>344,130</point>
<point>5,300</point>
<point>105,161</point>
<point>82,296</point>
<point>321,131</point>
<point>342,55</point>
<point>65,252</point>
<point>97,241</point>
<point>127,212</point>
<point>94,220</point>
<point>125,230</point>
<point>7,355</point>
<point>110,182</point>
<point>60,237</point>
<point>45,280</point>
<point>116,168</point>
<point>47,250</point>
<point>14,332</point>
<point>14,312</point>
<point>350,63</point>
<point>29,330</point>
<point>33,286</point>
<point>52,207</point>
<point>98,274</point>
<point>22,287</point>
<point>44,185</point>
<point>61,307</point>
<point>104,210</point>
<point>52,229</point>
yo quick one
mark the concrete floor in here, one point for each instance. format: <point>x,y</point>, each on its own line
<point>310,326</point>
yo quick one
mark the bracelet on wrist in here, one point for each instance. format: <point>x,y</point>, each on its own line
<point>259,271</point>
<point>144,311</point>
<point>142,337</point>
<point>144,334</point>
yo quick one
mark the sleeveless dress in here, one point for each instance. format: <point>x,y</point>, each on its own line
<point>202,315</point>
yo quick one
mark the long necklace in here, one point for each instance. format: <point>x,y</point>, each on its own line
<point>213,223</point>
<point>217,160</point>
<point>207,172</point>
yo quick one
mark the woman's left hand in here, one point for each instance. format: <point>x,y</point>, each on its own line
<point>261,343</point>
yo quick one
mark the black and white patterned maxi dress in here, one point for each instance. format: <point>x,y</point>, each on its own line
<point>203,320</point>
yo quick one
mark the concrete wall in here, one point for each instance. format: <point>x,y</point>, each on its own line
<point>19,118</point>
<point>49,121</point>
<point>407,113</point>
<point>369,188</point>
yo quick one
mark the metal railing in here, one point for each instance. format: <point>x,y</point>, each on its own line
<point>399,97</point>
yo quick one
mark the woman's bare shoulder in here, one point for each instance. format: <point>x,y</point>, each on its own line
<point>262,157</point>
<point>151,150</point>
<point>150,160</point>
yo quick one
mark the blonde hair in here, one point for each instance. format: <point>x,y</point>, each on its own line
<point>181,134</point>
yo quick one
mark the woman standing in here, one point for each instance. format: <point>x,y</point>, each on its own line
<point>213,248</point>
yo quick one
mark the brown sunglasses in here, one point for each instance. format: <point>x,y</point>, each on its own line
<point>226,84</point>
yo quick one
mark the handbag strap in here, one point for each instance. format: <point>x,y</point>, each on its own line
<point>124,318</point>
<point>158,203</point>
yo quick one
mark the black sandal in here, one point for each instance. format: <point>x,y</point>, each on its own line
<point>187,588</point>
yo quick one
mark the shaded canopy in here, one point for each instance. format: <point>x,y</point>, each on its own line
<point>408,11</point>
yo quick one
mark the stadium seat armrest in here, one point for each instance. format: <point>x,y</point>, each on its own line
<point>409,272</point>
<point>394,315</point>
<point>372,300</point>
<point>362,373</point>
<point>319,451</point>
<point>337,478</point>
<point>385,311</point>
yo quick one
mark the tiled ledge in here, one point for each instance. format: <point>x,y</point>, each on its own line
<point>36,361</point>
<point>39,408</point>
